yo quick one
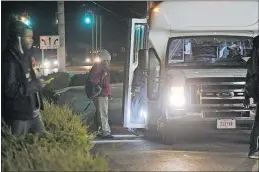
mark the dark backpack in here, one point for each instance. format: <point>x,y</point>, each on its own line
<point>252,80</point>
<point>92,90</point>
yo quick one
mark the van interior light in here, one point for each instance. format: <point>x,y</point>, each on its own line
<point>156,9</point>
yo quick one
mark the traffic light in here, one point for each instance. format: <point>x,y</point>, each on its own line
<point>88,18</point>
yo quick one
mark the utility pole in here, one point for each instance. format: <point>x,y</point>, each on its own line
<point>93,16</point>
<point>96,33</point>
<point>61,31</point>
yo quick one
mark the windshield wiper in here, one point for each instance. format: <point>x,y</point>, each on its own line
<point>188,62</point>
<point>203,56</point>
<point>240,59</point>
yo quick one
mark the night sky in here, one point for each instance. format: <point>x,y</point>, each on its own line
<point>115,20</point>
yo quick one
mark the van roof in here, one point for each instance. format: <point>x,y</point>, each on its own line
<point>190,15</point>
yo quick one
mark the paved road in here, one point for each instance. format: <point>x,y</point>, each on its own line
<point>218,151</point>
<point>76,99</point>
<point>207,151</point>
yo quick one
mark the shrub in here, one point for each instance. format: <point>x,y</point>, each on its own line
<point>64,147</point>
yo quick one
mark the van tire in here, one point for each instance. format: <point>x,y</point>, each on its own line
<point>168,136</point>
<point>167,132</point>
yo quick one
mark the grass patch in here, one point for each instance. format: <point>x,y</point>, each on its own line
<point>64,147</point>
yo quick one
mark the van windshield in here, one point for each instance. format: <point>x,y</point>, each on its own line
<point>208,49</point>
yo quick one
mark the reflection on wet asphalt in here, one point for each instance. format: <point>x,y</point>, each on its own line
<point>207,151</point>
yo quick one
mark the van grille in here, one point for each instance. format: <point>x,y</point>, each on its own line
<point>217,92</point>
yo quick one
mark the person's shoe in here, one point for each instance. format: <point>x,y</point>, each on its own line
<point>254,155</point>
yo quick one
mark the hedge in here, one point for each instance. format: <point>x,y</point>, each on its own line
<point>65,146</point>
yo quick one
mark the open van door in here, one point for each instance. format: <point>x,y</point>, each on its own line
<point>137,40</point>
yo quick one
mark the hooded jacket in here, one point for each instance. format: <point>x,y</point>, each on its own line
<point>252,77</point>
<point>100,74</point>
<point>20,88</point>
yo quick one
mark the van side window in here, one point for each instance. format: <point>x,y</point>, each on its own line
<point>154,74</point>
<point>176,50</point>
<point>139,39</point>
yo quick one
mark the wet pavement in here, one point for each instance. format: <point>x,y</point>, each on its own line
<point>218,151</point>
<point>211,150</point>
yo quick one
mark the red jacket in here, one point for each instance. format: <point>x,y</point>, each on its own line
<point>100,75</point>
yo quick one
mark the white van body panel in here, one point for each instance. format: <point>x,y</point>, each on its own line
<point>184,18</point>
<point>196,18</point>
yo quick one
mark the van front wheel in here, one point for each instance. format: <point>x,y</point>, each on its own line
<point>168,136</point>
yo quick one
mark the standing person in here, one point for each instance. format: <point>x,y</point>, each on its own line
<point>252,91</point>
<point>139,93</point>
<point>22,101</point>
<point>100,75</point>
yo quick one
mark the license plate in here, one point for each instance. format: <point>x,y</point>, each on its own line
<point>226,123</point>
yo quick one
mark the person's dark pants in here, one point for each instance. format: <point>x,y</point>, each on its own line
<point>22,127</point>
<point>254,138</point>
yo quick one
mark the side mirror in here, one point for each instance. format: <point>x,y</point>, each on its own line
<point>246,58</point>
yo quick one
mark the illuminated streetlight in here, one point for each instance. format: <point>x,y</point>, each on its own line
<point>27,22</point>
<point>23,19</point>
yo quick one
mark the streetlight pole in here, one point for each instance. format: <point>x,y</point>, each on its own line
<point>61,32</point>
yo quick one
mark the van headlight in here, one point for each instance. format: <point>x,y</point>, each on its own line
<point>177,98</point>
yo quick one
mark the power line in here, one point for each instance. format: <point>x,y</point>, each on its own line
<point>129,9</point>
<point>115,14</point>
<point>124,18</point>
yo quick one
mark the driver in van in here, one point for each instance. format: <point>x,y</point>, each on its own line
<point>233,51</point>
<point>229,51</point>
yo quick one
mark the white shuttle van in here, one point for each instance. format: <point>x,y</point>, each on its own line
<point>194,76</point>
